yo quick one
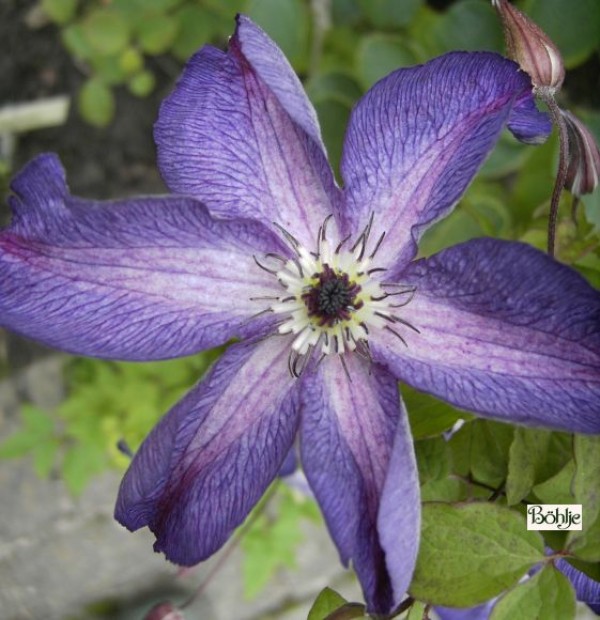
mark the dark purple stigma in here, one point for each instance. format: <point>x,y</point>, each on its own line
<point>332,298</point>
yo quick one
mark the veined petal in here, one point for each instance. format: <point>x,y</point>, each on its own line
<point>505,331</point>
<point>238,134</point>
<point>269,62</point>
<point>358,457</point>
<point>139,279</point>
<point>209,460</point>
<point>416,139</point>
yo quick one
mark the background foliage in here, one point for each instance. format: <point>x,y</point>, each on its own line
<point>340,48</point>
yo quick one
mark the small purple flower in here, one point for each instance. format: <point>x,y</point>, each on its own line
<point>259,241</point>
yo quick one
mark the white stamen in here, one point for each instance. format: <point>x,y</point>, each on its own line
<point>371,307</point>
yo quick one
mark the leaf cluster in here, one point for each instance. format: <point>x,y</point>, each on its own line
<point>106,403</point>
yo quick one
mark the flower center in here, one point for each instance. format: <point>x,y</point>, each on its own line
<point>331,301</point>
<point>333,298</point>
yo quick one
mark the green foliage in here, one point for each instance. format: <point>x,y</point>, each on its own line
<point>114,40</point>
<point>585,544</point>
<point>535,456</point>
<point>457,540</point>
<point>96,103</point>
<point>61,11</point>
<point>107,402</point>
<point>429,416</point>
<point>288,23</point>
<point>548,594</point>
<point>329,605</point>
<point>271,542</point>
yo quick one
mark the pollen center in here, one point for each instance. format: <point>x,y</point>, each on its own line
<point>330,300</point>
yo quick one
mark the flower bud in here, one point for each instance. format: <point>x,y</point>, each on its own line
<point>164,611</point>
<point>583,171</point>
<point>531,47</point>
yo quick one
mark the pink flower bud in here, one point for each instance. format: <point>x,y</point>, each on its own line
<point>164,611</point>
<point>583,171</point>
<point>531,47</point>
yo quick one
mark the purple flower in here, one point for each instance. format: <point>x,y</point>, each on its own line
<point>259,241</point>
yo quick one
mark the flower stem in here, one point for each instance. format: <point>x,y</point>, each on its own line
<point>563,163</point>
<point>235,541</point>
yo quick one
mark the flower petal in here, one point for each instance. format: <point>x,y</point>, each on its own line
<point>418,136</point>
<point>209,460</point>
<point>238,134</point>
<point>358,457</point>
<point>144,278</point>
<point>504,331</point>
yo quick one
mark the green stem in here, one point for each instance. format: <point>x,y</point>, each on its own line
<point>563,163</point>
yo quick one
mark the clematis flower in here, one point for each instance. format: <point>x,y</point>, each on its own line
<point>321,286</point>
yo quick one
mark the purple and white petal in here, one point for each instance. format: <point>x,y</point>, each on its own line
<point>418,137</point>
<point>269,62</point>
<point>210,459</point>
<point>237,134</point>
<point>138,279</point>
<point>358,457</point>
<point>505,331</point>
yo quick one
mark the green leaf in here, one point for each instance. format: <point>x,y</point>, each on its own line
<point>379,54</point>
<point>345,12</point>
<point>131,61</point>
<point>44,455</point>
<point>271,543</point>
<point>534,182</point>
<point>107,31</point>
<point>458,540</point>
<point>469,25</point>
<point>193,31</point>
<point>508,156</point>
<point>557,490</point>
<point>75,40</point>
<point>534,456</point>
<point>36,420</point>
<point>490,447</point>
<point>432,459</point>
<point>327,602</point>
<point>96,103</point>
<point>333,116</point>
<point>445,490</point>
<point>156,33</point>
<point>60,11</point>
<point>585,544</point>
<point>108,69</point>
<point>389,13</point>
<point>288,24</point>
<point>82,462</point>
<point>459,226</point>
<point>335,86</point>
<point>548,595</point>
<point>428,415</point>
<point>18,444</point>
<point>573,26</point>
<point>142,84</point>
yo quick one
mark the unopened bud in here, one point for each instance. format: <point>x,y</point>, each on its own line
<point>164,611</point>
<point>583,171</point>
<point>531,48</point>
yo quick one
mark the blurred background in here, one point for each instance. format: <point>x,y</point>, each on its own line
<point>84,78</point>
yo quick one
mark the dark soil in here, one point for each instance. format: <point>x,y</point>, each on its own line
<point>101,163</point>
